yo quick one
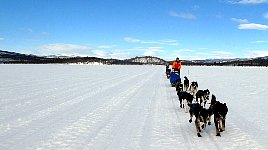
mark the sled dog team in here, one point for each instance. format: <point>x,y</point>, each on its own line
<point>194,101</point>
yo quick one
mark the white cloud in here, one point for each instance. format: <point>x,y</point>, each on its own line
<point>256,53</point>
<point>247,1</point>
<point>222,53</point>
<point>65,49</point>
<point>160,42</point>
<point>183,54</point>
<point>169,42</point>
<point>131,40</point>
<point>100,53</point>
<point>244,24</point>
<point>259,41</point>
<point>201,54</point>
<point>106,46</point>
<point>182,15</point>
<point>150,51</point>
<point>253,26</point>
<point>184,51</point>
<point>241,21</point>
<point>185,57</point>
<point>202,48</point>
<point>150,42</point>
<point>216,54</point>
<point>252,1</point>
<point>122,55</point>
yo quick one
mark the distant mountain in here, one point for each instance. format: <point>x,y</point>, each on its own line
<point>147,60</point>
<point>17,58</point>
<point>12,57</point>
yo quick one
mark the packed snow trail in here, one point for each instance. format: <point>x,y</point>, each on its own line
<point>115,107</point>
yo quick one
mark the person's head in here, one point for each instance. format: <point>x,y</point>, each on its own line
<point>177,59</point>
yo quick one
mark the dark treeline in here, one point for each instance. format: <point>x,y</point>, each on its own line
<point>17,58</point>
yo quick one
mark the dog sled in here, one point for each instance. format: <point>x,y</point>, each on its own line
<point>174,78</point>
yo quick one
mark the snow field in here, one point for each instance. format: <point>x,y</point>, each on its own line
<point>125,107</point>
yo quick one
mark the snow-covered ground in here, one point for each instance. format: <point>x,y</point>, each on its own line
<point>126,107</point>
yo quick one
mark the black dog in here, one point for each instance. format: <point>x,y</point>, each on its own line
<point>201,115</point>
<point>179,86</point>
<point>186,83</point>
<point>220,111</point>
<point>185,98</point>
<point>203,95</point>
<point>205,117</point>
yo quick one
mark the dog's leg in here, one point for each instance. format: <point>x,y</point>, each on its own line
<point>185,105</point>
<point>191,115</point>
<point>204,125</point>
<point>197,126</point>
<point>194,94</point>
<point>201,100</point>
<point>221,126</point>
<point>209,120</point>
<point>217,127</point>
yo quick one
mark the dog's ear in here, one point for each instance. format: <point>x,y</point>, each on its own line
<point>213,97</point>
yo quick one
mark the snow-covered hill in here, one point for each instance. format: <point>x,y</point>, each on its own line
<point>148,60</point>
<point>125,107</point>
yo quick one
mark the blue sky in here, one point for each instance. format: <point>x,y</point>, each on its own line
<point>189,29</point>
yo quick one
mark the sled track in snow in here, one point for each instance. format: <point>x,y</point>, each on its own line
<point>112,107</point>
<point>105,115</point>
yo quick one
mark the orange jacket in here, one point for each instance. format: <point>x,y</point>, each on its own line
<point>176,65</point>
